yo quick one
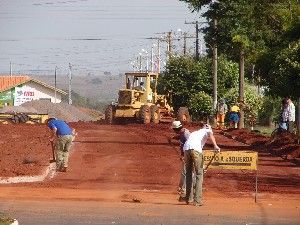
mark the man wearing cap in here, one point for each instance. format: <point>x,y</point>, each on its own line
<point>62,135</point>
<point>182,135</point>
<point>193,157</point>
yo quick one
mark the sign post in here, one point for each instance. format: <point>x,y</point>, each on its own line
<point>233,160</point>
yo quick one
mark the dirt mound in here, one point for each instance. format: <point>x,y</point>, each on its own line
<point>284,145</point>
<point>61,111</point>
<point>254,139</point>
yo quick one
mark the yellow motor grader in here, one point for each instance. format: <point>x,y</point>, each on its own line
<point>139,100</point>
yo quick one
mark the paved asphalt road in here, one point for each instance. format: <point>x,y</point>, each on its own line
<point>125,213</point>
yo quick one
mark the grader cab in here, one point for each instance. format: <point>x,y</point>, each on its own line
<point>139,100</point>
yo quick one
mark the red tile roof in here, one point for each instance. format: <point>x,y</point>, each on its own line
<point>11,81</point>
<point>8,82</point>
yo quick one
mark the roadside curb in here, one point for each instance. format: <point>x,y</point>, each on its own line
<point>50,171</point>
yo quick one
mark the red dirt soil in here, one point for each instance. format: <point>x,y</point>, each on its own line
<point>284,145</point>
<point>24,149</point>
<point>132,157</point>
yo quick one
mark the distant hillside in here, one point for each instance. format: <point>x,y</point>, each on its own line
<point>96,88</point>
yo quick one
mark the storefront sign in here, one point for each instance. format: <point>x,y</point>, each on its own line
<point>24,94</point>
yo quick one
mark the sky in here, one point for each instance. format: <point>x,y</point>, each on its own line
<point>94,36</point>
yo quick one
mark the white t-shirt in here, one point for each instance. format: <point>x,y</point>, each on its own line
<point>291,112</point>
<point>197,139</point>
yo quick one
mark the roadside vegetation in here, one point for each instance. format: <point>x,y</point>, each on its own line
<point>258,59</point>
<point>5,219</point>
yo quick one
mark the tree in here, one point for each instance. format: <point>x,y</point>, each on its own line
<point>246,29</point>
<point>200,105</point>
<point>185,77</point>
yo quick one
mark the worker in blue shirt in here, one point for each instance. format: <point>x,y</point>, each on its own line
<point>62,136</point>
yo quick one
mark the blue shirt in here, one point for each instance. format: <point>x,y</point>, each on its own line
<point>183,136</point>
<point>61,126</point>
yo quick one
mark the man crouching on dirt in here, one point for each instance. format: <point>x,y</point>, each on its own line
<point>182,135</point>
<point>62,135</point>
<point>194,159</point>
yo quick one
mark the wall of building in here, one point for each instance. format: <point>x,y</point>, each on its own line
<point>34,91</point>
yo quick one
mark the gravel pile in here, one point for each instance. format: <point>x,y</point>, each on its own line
<point>62,111</point>
<point>17,109</point>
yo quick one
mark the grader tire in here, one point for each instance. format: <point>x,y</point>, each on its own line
<point>155,115</point>
<point>145,114</point>
<point>23,118</point>
<point>183,115</point>
<point>15,119</point>
<point>110,114</point>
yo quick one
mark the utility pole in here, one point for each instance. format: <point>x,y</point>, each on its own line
<point>70,84</point>
<point>215,67</point>
<point>158,55</point>
<point>55,84</point>
<point>241,87</point>
<point>152,57</point>
<point>140,62</point>
<point>184,43</point>
<point>197,36</point>
<point>197,41</point>
<point>10,69</point>
<point>169,41</point>
<point>185,37</point>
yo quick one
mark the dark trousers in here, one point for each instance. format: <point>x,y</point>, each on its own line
<point>290,126</point>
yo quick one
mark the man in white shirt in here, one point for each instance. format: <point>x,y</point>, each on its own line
<point>193,157</point>
<point>182,135</point>
<point>291,117</point>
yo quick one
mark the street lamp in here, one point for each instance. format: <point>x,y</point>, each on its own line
<point>143,51</point>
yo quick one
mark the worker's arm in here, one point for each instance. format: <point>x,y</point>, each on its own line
<point>212,137</point>
<point>53,134</point>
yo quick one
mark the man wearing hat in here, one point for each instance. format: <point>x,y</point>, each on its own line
<point>182,135</point>
<point>193,157</point>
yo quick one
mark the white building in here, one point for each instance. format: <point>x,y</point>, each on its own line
<point>15,90</point>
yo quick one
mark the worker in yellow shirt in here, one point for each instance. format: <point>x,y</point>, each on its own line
<point>234,116</point>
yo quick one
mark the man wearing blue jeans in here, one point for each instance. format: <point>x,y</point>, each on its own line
<point>194,159</point>
<point>62,134</point>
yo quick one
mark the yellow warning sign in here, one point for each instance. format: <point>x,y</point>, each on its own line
<point>233,160</point>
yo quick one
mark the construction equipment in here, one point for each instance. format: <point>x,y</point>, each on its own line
<point>139,100</point>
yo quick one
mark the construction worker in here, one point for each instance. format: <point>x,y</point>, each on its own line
<point>182,135</point>
<point>193,157</point>
<point>291,110</point>
<point>62,136</point>
<point>234,116</point>
<point>221,112</point>
<point>140,87</point>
